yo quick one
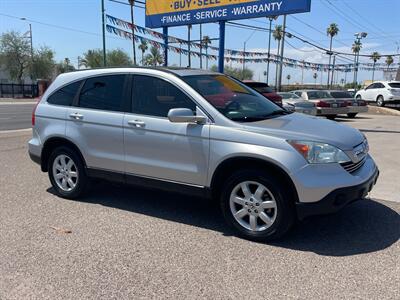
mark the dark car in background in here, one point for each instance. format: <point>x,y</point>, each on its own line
<point>355,106</point>
<point>265,90</point>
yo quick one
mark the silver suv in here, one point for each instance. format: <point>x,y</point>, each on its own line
<point>199,133</point>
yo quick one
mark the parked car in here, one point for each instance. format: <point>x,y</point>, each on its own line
<point>199,133</point>
<point>297,104</point>
<point>355,106</point>
<point>381,92</point>
<point>326,105</point>
<point>265,90</point>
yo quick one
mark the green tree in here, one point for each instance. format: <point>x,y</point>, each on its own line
<point>43,63</point>
<point>389,60</point>
<point>154,58</point>
<point>331,31</point>
<point>356,47</point>
<point>64,66</point>
<point>278,35</point>
<point>118,58</point>
<point>236,72</point>
<point>143,47</point>
<point>92,59</point>
<point>15,54</point>
<point>375,56</point>
<point>206,42</point>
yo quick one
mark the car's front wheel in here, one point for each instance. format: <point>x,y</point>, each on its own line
<point>66,172</point>
<point>257,206</point>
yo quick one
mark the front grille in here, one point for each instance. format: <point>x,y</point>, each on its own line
<point>352,167</point>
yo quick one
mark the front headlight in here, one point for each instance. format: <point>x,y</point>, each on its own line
<point>319,153</point>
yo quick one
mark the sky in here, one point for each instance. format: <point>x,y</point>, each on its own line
<point>71,27</point>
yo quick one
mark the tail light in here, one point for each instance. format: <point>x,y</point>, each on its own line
<point>33,113</point>
<point>323,104</point>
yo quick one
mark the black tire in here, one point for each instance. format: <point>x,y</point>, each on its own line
<point>352,115</point>
<point>380,101</point>
<point>285,214</point>
<point>331,117</point>
<point>82,179</point>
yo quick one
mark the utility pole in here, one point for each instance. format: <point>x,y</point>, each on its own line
<point>201,47</point>
<point>359,36</point>
<point>104,33</point>
<point>333,70</point>
<point>189,56</point>
<point>302,73</point>
<point>281,55</point>
<point>132,3</point>
<point>269,44</point>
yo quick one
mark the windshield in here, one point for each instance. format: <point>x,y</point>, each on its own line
<point>288,96</point>
<point>233,99</point>
<point>395,85</point>
<point>313,95</point>
<point>259,87</point>
<point>341,94</point>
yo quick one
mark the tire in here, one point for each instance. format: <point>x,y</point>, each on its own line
<point>380,101</point>
<point>331,117</point>
<point>59,164</point>
<point>352,115</point>
<point>280,211</point>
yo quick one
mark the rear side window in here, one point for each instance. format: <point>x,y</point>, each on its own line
<point>65,95</point>
<point>155,97</point>
<point>341,95</point>
<point>104,92</point>
<point>395,85</point>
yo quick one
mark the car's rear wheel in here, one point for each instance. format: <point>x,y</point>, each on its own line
<point>257,206</point>
<point>352,115</point>
<point>380,101</point>
<point>331,117</point>
<point>66,172</point>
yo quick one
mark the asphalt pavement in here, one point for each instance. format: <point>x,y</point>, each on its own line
<point>15,116</point>
<point>121,242</point>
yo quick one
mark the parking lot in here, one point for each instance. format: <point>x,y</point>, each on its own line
<point>127,243</point>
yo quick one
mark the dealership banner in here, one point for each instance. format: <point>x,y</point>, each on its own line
<point>166,13</point>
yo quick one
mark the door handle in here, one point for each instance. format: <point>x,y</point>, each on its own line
<point>76,116</point>
<point>137,123</point>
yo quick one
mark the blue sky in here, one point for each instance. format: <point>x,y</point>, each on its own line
<point>71,27</point>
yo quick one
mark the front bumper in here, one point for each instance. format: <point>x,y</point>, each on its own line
<point>337,199</point>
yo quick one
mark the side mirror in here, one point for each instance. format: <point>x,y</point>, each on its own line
<point>185,115</point>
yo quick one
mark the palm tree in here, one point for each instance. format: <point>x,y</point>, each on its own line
<point>143,47</point>
<point>375,56</point>
<point>288,78</point>
<point>389,61</point>
<point>278,35</point>
<point>154,58</point>
<point>331,31</point>
<point>206,41</point>
<point>92,59</point>
<point>315,76</point>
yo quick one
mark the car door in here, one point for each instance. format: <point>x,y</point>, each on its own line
<point>158,148</point>
<point>94,123</point>
<point>369,92</point>
<point>380,90</point>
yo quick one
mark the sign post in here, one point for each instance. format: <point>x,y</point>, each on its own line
<point>165,33</point>
<point>169,13</point>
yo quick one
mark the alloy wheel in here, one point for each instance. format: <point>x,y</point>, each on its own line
<point>65,173</point>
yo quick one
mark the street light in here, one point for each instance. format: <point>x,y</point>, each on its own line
<point>244,51</point>
<point>269,44</point>
<point>359,36</point>
<point>31,40</point>
<point>132,3</point>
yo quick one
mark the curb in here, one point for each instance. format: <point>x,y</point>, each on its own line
<point>15,131</point>
<point>383,111</point>
<point>17,103</point>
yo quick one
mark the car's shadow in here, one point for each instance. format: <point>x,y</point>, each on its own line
<point>362,227</point>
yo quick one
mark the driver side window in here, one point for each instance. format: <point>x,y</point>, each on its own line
<point>155,97</point>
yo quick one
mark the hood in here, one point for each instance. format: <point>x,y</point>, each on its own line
<point>308,128</point>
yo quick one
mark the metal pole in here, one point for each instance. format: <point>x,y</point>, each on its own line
<point>189,56</point>
<point>104,32</point>
<point>281,54</point>
<point>180,54</point>
<point>221,46</point>
<point>132,3</point>
<point>333,70</point>
<point>356,74</point>
<point>165,32</point>
<point>302,73</point>
<point>330,59</point>
<point>201,47</point>
<point>244,60</point>
<point>31,42</point>
<point>269,47</point>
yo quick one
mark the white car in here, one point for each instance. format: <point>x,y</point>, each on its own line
<point>381,92</point>
<point>295,103</point>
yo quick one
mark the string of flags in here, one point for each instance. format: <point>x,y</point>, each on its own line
<point>231,55</point>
